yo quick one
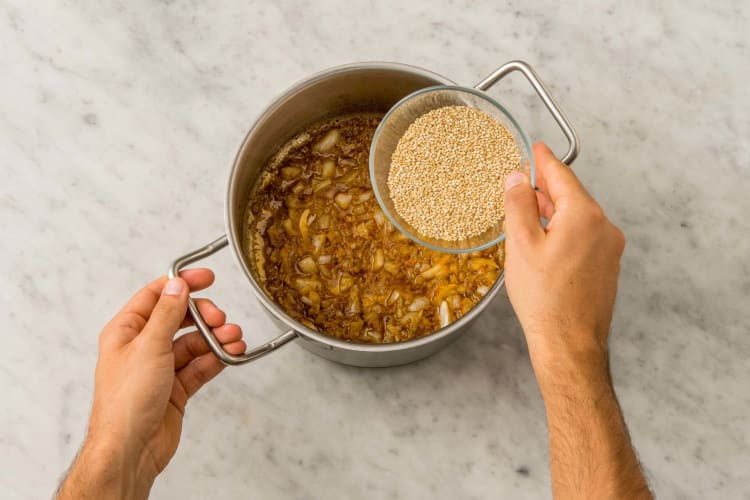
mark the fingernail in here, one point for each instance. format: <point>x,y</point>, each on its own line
<point>513,180</point>
<point>175,286</point>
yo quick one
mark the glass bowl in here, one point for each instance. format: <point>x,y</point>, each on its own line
<point>392,128</point>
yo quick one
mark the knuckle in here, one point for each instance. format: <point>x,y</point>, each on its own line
<point>596,213</point>
<point>196,346</point>
<point>200,374</point>
<point>128,322</point>
<point>593,215</point>
<point>619,239</point>
<point>205,303</point>
<point>516,194</point>
<point>219,316</point>
<point>104,337</point>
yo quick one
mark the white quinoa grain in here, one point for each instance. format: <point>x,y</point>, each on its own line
<point>448,171</point>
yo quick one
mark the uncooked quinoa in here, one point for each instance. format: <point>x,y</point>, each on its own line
<point>447,172</point>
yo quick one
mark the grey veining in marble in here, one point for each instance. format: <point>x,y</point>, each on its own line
<point>118,123</point>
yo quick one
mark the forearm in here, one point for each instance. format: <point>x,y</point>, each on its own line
<point>104,471</point>
<point>590,451</point>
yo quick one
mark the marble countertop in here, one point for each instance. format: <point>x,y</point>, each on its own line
<point>118,124</point>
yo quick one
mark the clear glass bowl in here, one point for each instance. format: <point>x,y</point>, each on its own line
<point>392,128</point>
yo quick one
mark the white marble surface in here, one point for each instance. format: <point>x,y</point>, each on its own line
<point>118,123</point>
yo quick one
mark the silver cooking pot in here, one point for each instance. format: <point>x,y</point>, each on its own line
<point>360,87</point>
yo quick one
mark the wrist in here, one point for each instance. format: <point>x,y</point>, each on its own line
<point>574,371</point>
<point>114,439</point>
<point>104,468</point>
<point>127,463</point>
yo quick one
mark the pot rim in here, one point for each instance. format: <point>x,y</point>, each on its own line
<point>271,306</point>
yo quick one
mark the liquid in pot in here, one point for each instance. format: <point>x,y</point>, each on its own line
<point>324,251</point>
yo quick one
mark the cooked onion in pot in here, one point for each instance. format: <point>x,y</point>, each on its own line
<point>325,252</point>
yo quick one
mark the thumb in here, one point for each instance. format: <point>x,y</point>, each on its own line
<point>521,210</point>
<point>168,313</point>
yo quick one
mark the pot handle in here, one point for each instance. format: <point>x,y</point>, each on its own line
<point>200,323</point>
<point>574,143</point>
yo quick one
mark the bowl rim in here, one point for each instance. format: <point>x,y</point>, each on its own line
<point>379,130</point>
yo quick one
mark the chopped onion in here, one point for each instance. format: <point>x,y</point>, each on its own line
<point>345,282</point>
<point>307,265</point>
<point>444,313</point>
<point>477,263</point>
<point>294,202</point>
<point>318,241</point>
<point>321,185</point>
<point>442,291</point>
<point>343,200</point>
<point>364,197</point>
<point>355,327</point>
<point>482,290</point>
<point>311,299</point>
<point>348,178</point>
<point>410,318</point>
<point>324,222</point>
<point>327,142</point>
<point>325,272</point>
<point>419,303</point>
<point>328,169</point>
<point>310,325</point>
<point>289,173</point>
<point>435,271</point>
<point>303,229</point>
<point>375,335</point>
<point>355,307</point>
<point>391,267</point>
<point>455,302</point>
<point>306,284</point>
<point>378,260</point>
<point>359,210</point>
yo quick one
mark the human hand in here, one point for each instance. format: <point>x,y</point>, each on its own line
<point>144,379</point>
<point>561,280</point>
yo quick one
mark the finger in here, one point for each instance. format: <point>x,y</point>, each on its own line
<point>198,372</point>
<point>554,178</point>
<point>238,347</point>
<point>167,315</point>
<point>131,319</point>
<point>198,279</point>
<point>212,315</point>
<point>521,210</point>
<point>143,302</point>
<point>546,207</point>
<point>203,368</point>
<point>192,345</point>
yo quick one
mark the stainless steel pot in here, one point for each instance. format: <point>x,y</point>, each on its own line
<point>345,89</point>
